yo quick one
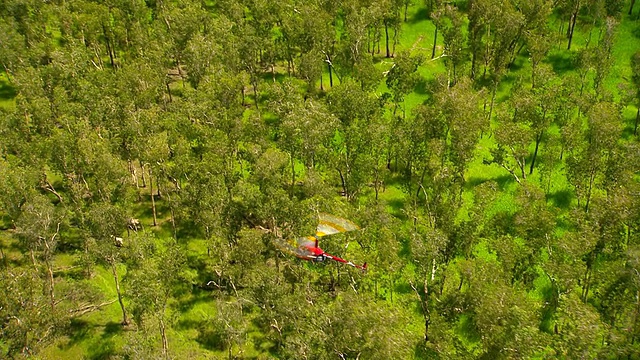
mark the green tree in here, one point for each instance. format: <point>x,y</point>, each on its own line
<point>403,78</point>
<point>158,273</point>
<point>356,110</point>
<point>28,322</point>
<point>105,223</point>
<point>587,163</point>
<point>38,228</point>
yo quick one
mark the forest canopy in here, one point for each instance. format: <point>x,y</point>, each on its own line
<point>153,153</point>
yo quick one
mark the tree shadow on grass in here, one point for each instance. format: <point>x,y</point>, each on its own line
<point>210,336</point>
<point>420,15</point>
<point>7,92</point>
<point>198,297</point>
<point>78,330</point>
<point>627,132</point>
<point>396,206</point>
<point>561,198</point>
<point>561,62</point>
<point>403,288</point>
<point>422,87</point>
<point>104,348</point>
<point>467,329</point>
<point>187,230</point>
<point>503,181</point>
<point>269,76</point>
<point>111,329</point>
<point>421,351</point>
<point>5,222</point>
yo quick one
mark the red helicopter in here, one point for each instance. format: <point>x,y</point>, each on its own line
<point>307,248</point>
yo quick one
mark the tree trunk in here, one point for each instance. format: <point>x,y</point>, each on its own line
<point>173,217</point>
<point>395,40</point>
<point>592,178</point>
<point>435,38</point>
<point>633,2</point>
<point>344,184</point>
<point>144,180</point>
<point>293,172</point>
<point>52,296</point>
<point>255,92</point>
<point>572,27</point>
<point>424,304</point>
<point>33,260</point>
<point>114,271</point>
<point>6,71</point>
<point>153,201</point>
<point>4,259</point>
<point>635,126</point>
<point>111,57</point>
<point>472,76</point>
<point>330,72</point>
<point>386,35</point>
<point>169,92</point>
<point>406,9</point>
<point>48,254</point>
<point>535,152</point>
<point>163,334</point>
<point>586,286</point>
<point>493,99</point>
<point>376,184</point>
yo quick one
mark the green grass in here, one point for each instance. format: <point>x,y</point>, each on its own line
<point>7,93</point>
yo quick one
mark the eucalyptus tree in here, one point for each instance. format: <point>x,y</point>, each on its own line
<point>13,48</point>
<point>38,228</point>
<point>27,322</point>
<point>317,41</point>
<point>17,187</point>
<point>356,110</point>
<point>27,17</point>
<point>501,312</point>
<point>305,128</point>
<point>356,326</point>
<point>495,28</point>
<point>181,22</point>
<point>428,254</point>
<point>106,222</point>
<point>527,115</point>
<point>570,9</point>
<point>603,53</point>
<point>156,274</point>
<point>512,150</point>
<point>454,39</point>
<point>534,222</point>
<point>380,243</point>
<point>403,77</point>
<point>204,52</point>
<point>461,120</point>
<point>586,163</point>
<point>579,328</point>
